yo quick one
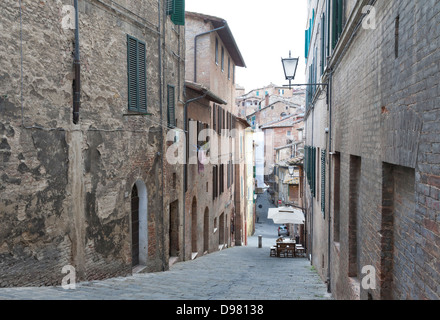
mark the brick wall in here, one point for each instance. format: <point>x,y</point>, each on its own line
<point>385,113</point>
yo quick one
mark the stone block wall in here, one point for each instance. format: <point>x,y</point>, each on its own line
<point>65,188</point>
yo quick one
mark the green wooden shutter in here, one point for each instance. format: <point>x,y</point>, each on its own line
<point>137,75</point>
<point>171,107</point>
<point>178,16</point>
<point>170,7</point>
<point>340,17</point>
<point>314,172</point>
<point>323,155</point>
<point>132,73</point>
<point>142,77</point>
<point>337,20</point>
<point>323,60</point>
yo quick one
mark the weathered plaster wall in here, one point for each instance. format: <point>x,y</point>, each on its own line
<point>65,189</point>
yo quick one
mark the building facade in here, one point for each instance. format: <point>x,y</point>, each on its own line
<point>372,162</point>
<point>213,216</point>
<point>83,173</point>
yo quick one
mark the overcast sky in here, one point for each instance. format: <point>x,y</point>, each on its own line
<point>265,31</point>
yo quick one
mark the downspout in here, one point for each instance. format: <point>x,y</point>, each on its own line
<point>312,204</point>
<point>330,153</point>
<point>195,46</point>
<point>77,70</point>
<point>185,166</point>
<point>162,147</point>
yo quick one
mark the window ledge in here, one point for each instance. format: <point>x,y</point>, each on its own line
<point>134,113</point>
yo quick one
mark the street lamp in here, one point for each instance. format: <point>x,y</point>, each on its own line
<point>290,65</point>
<point>291,170</point>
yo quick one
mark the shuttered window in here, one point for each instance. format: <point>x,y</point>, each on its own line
<point>170,7</point>
<point>171,100</point>
<point>137,75</point>
<point>177,11</point>
<point>323,36</point>
<point>310,161</point>
<point>337,21</point>
<point>323,155</point>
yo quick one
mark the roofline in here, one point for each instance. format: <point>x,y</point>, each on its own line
<point>224,35</point>
<point>204,90</point>
<point>243,121</point>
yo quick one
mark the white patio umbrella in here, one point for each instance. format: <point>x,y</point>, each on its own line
<point>284,215</point>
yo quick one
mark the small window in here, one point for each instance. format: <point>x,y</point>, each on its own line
<point>229,68</point>
<point>223,59</point>
<point>216,51</point>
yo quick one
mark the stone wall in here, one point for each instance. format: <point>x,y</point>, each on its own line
<point>65,188</point>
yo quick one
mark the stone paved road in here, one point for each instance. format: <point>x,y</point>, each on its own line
<point>239,273</point>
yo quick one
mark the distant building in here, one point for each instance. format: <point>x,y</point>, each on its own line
<point>214,217</point>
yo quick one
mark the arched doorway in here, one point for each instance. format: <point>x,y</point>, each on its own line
<point>174,229</point>
<point>221,230</point>
<point>206,231</point>
<point>194,226</point>
<point>139,227</point>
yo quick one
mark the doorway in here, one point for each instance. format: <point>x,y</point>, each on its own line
<point>134,227</point>
<point>194,226</point>
<point>139,224</point>
<point>174,229</point>
<point>206,231</point>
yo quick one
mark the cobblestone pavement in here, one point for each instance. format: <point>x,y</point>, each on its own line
<point>238,273</point>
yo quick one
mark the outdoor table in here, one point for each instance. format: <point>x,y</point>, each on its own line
<point>286,248</point>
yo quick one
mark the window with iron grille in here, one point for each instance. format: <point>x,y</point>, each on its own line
<point>137,75</point>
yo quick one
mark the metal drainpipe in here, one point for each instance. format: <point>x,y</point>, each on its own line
<point>162,147</point>
<point>185,166</point>
<point>195,46</point>
<point>77,68</point>
<point>329,90</point>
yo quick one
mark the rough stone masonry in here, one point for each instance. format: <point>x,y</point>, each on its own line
<point>64,188</point>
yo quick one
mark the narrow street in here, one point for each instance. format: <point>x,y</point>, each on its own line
<point>239,273</point>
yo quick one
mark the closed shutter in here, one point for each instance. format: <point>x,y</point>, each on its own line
<point>142,79</point>
<point>170,7</point>
<point>313,172</point>
<point>137,75</point>
<point>214,118</point>
<point>337,21</point>
<point>323,155</point>
<point>323,60</point>
<point>178,15</point>
<point>171,107</point>
<point>132,73</point>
